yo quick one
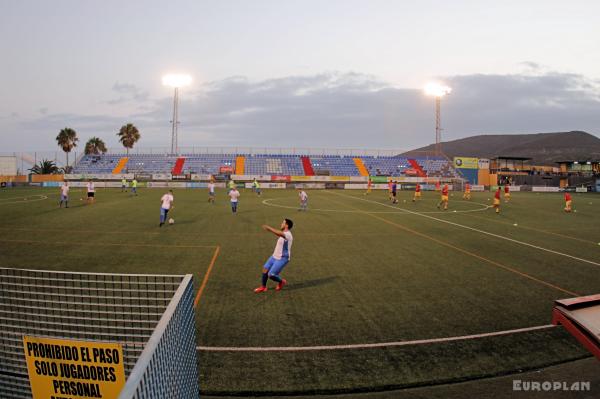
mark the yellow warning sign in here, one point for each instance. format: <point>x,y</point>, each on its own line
<point>69,369</point>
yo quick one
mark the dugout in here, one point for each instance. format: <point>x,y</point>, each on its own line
<point>519,171</point>
<point>579,172</point>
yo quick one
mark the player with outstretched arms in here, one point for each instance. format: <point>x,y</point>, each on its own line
<point>280,258</point>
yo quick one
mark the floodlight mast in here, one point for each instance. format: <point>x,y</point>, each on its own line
<point>176,81</point>
<point>437,91</point>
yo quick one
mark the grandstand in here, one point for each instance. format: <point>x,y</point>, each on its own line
<point>268,164</point>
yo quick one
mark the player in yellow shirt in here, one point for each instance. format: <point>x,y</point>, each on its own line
<point>134,184</point>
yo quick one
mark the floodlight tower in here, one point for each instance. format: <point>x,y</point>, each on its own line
<point>176,81</point>
<point>437,91</point>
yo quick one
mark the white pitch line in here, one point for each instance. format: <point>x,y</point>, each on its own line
<point>366,346</point>
<point>24,199</point>
<point>396,210</point>
<point>479,231</point>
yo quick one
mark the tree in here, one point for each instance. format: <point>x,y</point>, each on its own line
<point>95,146</point>
<point>67,140</point>
<point>128,136</point>
<point>45,167</point>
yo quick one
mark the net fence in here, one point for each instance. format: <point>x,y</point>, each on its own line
<point>120,308</point>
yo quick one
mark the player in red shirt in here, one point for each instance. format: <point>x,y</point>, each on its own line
<point>506,193</point>
<point>467,194</point>
<point>444,198</point>
<point>369,186</point>
<point>497,200</point>
<point>568,202</point>
<point>417,192</point>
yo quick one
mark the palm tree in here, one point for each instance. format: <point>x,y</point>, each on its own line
<point>67,140</point>
<point>45,167</point>
<point>128,136</point>
<point>95,146</point>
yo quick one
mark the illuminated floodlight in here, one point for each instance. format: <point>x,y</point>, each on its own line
<point>176,80</point>
<point>437,89</point>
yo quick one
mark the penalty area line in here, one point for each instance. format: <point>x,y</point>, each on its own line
<point>206,276</point>
<point>104,244</point>
<point>479,231</point>
<point>466,252</point>
<point>368,346</point>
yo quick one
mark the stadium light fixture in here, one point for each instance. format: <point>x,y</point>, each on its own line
<point>437,91</point>
<point>176,81</point>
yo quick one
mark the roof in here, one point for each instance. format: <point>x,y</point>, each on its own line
<point>579,161</point>
<point>513,158</point>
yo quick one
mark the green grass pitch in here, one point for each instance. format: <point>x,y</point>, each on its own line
<point>363,271</point>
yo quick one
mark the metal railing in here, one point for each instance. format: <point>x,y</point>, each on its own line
<point>167,368</point>
<point>121,308</point>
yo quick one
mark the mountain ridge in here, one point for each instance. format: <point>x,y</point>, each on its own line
<point>543,148</point>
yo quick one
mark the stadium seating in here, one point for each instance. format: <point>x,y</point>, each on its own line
<point>178,168</point>
<point>269,164</point>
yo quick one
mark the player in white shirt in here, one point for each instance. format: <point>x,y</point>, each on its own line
<point>64,195</point>
<point>280,258</point>
<point>303,200</point>
<point>91,192</point>
<point>211,192</point>
<point>234,194</point>
<point>166,204</point>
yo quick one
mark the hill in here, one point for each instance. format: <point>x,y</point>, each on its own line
<point>543,148</point>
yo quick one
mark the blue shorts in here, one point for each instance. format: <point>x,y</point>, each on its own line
<point>275,266</point>
<point>64,198</point>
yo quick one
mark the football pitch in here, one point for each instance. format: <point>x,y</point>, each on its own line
<point>380,296</point>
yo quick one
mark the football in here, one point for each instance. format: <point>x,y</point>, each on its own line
<point>171,221</point>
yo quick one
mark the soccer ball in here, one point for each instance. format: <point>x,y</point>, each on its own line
<point>171,221</point>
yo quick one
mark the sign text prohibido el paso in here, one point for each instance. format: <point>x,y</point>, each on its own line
<point>69,369</point>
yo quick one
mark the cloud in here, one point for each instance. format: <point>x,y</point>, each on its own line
<point>360,111</point>
<point>128,93</point>
<point>349,110</point>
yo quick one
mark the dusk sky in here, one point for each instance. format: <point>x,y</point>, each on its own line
<point>334,74</point>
